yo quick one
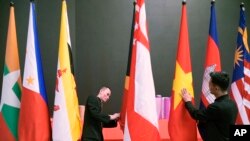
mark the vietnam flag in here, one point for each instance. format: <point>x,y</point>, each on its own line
<point>141,122</point>
<point>66,117</point>
<point>11,88</point>
<point>181,126</point>
<point>212,62</point>
<point>34,121</point>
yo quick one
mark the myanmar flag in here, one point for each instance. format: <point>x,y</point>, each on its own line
<point>11,90</point>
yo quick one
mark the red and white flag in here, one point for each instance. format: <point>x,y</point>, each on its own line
<point>141,122</point>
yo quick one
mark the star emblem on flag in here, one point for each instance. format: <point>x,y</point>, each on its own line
<point>238,56</point>
<point>30,80</point>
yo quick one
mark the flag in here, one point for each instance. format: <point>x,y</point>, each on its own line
<point>212,62</point>
<point>141,122</point>
<point>181,126</point>
<point>126,84</point>
<point>11,86</point>
<point>66,117</point>
<point>241,73</point>
<point>34,121</point>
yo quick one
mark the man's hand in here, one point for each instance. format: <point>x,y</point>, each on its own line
<point>185,95</point>
<point>115,116</point>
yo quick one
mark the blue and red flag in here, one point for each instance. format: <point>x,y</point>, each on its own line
<point>212,61</point>
<point>34,120</point>
<point>240,91</point>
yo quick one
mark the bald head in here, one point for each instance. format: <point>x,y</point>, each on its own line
<point>104,94</point>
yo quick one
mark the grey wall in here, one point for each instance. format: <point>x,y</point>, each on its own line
<point>100,34</point>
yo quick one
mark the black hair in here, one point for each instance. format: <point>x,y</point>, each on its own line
<point>220,79</point>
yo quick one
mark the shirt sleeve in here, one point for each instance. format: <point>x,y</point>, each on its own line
<point>95,110</point>
<point>202,115</point>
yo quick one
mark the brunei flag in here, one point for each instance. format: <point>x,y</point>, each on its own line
<point>126,85</point>
<point>34,121</point>
<point>181,126</point>
<point>11,88</point>
<point>66,117</point>
<point>141,122</point>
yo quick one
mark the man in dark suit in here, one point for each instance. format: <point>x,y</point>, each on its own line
<point>94,119</point>
<point>218,116</point>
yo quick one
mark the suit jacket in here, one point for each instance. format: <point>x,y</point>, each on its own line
<point>216,118</point>
<point>94,120</point>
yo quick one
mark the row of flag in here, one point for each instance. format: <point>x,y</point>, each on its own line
<point>138,114</point>
<point>24,113</point>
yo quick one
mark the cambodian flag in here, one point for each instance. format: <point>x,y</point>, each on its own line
<point>212,61</point>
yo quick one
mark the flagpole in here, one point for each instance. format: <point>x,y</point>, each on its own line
<point>242,6</point>
<point>184,2</point>
<point>11,3</point>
